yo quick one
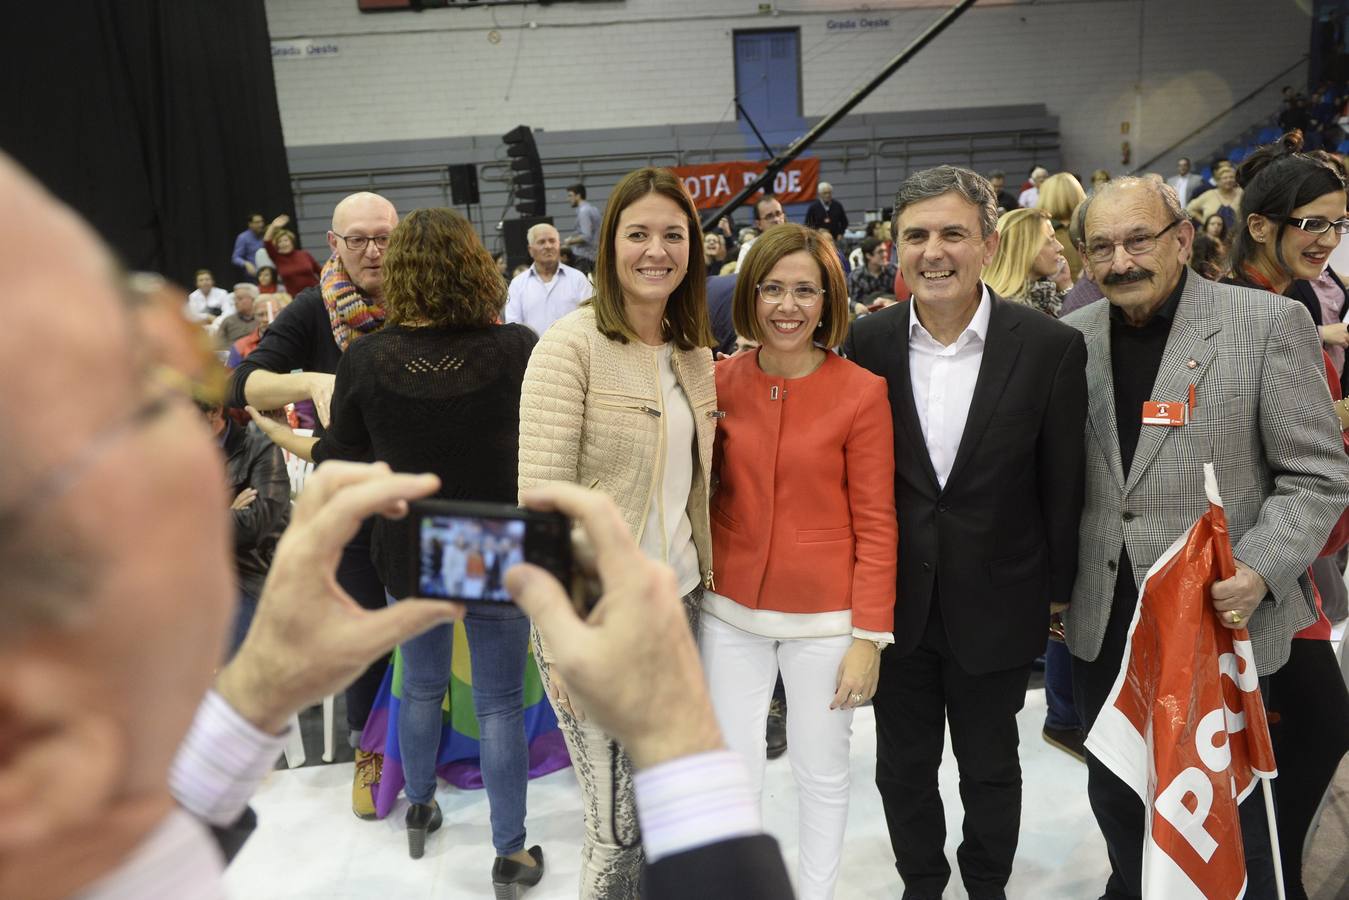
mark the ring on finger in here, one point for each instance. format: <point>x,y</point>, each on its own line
<point>1235,617</point>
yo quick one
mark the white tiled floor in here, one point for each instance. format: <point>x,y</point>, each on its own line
<point>309,845</point>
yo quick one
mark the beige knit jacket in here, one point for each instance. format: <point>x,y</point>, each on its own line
<point>590,414</point>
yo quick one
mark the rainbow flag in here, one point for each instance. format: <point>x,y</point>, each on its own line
<point>457,761</point>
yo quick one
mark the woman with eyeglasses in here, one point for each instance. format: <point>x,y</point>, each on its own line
<point>1292,216</point>
<point>803,534</point>
<point>620,397</point>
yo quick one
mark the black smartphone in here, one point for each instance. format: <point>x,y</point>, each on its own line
<point>463,549</point>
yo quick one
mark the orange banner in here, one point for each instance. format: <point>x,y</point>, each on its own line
<point>712,184</point>
<point>1184,725</point>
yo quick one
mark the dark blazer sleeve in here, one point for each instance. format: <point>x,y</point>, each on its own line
<point>1061,461</point>
<point>748,868</point>
<point>230,839</point>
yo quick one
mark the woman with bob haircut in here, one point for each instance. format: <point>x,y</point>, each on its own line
<point>297,268</point>
<point>1029,265</point>
<point>620,397</point>
<point>1059,196</point>
<point>1292,216</point>
<point>804,536</point>
<point>437,389</point>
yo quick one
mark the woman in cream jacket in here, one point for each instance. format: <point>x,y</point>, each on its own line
<point>620,396</point>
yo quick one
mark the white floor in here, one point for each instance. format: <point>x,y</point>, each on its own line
<point>309,845</point>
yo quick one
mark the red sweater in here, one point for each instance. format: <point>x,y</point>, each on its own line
<point>297,269</point>
<point>803,520</point>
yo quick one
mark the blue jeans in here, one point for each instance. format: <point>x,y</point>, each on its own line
<point>244,612</point>
<point>498,637</point>
<point>1060,712</point>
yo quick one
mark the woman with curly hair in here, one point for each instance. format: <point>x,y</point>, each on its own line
<point>437,389</point>
<point>1029,266</point>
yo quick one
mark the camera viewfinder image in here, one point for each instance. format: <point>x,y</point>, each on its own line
<point>467,558</point>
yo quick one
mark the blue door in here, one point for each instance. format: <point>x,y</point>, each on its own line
<point>768,77</point>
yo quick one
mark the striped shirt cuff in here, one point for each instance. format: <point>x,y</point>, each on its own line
<point>694,801</point>
<point>221,762</point>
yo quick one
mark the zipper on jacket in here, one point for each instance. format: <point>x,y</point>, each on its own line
<point>632,407</point>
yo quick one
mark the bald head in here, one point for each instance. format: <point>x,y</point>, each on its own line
<point>363,216</point>
<point>108,674</point>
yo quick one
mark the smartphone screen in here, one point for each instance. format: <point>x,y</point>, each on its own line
<point>464,554</point>
<point>467,558</point>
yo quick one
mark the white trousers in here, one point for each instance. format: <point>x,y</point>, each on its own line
<point>741,671</point>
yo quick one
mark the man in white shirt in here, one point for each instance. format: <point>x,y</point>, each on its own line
<point>1185,182</point>
<point>989,400</point>
<point>1031,195</point>
<point>105,668</point>
<point>208,303</point>
<point>548,289</point>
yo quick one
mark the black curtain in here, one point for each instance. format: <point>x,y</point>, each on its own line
<point>155,119</point>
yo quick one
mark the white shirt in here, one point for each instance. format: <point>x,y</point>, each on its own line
<point>1182,185</point>
<point>219,764</point>
<point>1029,197</point>
<point>178,859</point>
<point>668,534</point>
<point>538,304</point>
<point>694,801</point>
<point>197,304</point>
<point>943,381</point>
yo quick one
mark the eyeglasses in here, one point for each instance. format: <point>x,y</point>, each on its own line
<point>358,242</point>
<point>177,365</point>
<point>803,294</point>
<point>1315,225</point>
<point>1103,250</point>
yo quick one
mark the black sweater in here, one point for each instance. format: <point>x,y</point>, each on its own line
<point>431,400</point>
<point>300,338</point>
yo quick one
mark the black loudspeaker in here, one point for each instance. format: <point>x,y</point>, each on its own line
<point>516,234</point>
<point>464,184</point>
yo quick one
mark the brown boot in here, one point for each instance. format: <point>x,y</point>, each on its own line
<point>369,766</point>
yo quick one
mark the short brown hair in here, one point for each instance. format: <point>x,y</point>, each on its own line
<point>686,320</point>
<point>285,233</point>
<point>437,272</point>
<point>764,254</point>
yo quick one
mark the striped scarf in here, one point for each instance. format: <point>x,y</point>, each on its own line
<point>349,311</point>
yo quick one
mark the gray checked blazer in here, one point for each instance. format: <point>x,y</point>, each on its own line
<point>1262,416</point>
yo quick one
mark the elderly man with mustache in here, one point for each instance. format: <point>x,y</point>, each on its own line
<point>1247,363</point>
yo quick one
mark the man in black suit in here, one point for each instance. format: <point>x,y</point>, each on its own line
<point>989,401</point>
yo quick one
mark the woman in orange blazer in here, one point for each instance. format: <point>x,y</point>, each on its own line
<point>803,533</point>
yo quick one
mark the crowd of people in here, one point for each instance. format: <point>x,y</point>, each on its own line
<point>904,476</point>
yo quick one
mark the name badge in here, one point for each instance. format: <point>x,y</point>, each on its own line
<point>1163,412</point>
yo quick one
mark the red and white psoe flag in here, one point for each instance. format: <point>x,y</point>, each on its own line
<point>1184,725</point>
